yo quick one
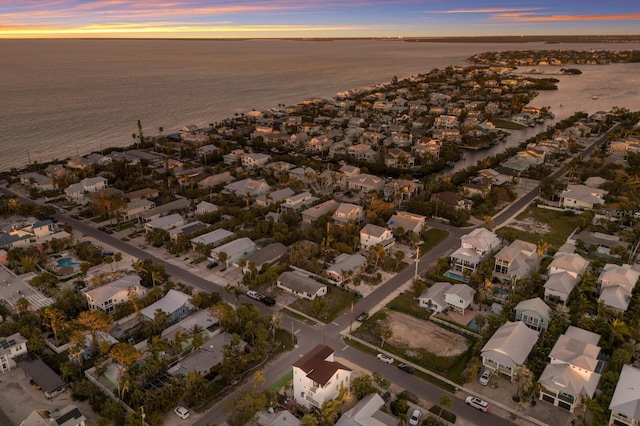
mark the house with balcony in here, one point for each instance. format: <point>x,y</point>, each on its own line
<point>517,261</point>
<point>509,348</point>
<point>474,248</point>
<point>107,296</point>
<point>534,313</point>
<point>276,196</point>
<point>616,286</point>
<point>453,200</point>
<point>363,152</point>
<point>564,273</point>
<point>11,347</point>
<point>625,403</point>
<point>75,192</point>
<point>318,377</point>
<point>296,202</point>
<point>573,370</point>
<point>372,234</point>
<point>401,190</point>
<point>301,285</point>
<point>254,160</point>
<point>347,212</point>
<point>366,183</point>
<point>581,197</point>
<point>248,188</point>
<point>443,295</point>
<point>399,159</point>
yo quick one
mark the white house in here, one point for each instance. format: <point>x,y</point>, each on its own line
<point>573,369</point>
<point>443,295</point>
<point>347,212</point>
<point>235,250</point>
<point>367,413</point>
<point>616,285</point>
<point>213,238</point>
<point>11,347</point>
<point>372,234</point>
<point>318,378</point>
<point>345,266</point>
<point>300,285</point>
<point>572,263</point>
<point>559,286</point>
<point>165,222</point>
<point>408,222</point>
<point>625,403</point>
<point>107,296</point>
<point>76,191</point>
<point>581,197</point>
<point>474,248</point>
<point>516,261</point>
<point>508,348</point>
<point>175,303</point>
<point>254,160</point>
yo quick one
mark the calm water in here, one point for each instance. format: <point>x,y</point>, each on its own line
<point>59,97</point>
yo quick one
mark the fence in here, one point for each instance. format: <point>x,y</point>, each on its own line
<point>457,329</point>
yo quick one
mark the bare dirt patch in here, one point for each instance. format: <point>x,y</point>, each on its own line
<point>411,332</point>
<point>530,225</point>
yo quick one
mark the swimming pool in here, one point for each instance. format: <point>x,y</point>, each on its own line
<point>472,324</point>
<point>67,262</point>
<point>456,276</point>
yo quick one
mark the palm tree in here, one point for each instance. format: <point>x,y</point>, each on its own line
<point>196,337</point>
<point>525,380</point>
<point>541,247</point>
<point>178,339</point>
<point>125,355</point>
<point>94,322</point>
<point>55,320</point>
<point>234,291</point>
<point>222,258</point>
<point>618,331</point>
<point>378,252</point>
<point>399,255</point>
<point>275,323</point>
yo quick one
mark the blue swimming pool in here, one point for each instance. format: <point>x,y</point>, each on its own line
<point>454,275</point>
<point>472,324</point>
<point>67,262</point>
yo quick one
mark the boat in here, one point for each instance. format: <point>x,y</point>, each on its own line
<point>595,97</point>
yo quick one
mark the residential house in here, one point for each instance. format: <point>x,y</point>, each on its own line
<point>205,207</point>
<point>399,159</point>
<point>367,412</point>
<point>300,285</point>
<point>107,296</point>
<point>509,348</point>
<point>625,403</point>
<point>572,263</point>
<point>312,214</point>
<point>266,256</point>
<point>372,234</point>
<point>50,383</point>
<point>214,238</point>
<point>206,358</point>
<point>175,304</point>
<point>366,183</point>
<point>303,175</point>
<point>362,152</point>
<point>442,295</point>
<point>345,266</point>
<point>37,181</point>
<point>65,416</point>
<point>144,193</point>
<point>573,370</point>
<point>248,188</point>
<point>235,250</point>
<point>76,191</point>
<point>407,222</point>
<point>565,272</point>
<point>318,378</point>
<point>534,313</point>
<point>347,212</point>
<point>428,148</point>
<point>582,197</point>
<point>274,197</point>
<point>616,286</point>
<point>187,229</point>
<point>515,262</point>
<point>459,297</point>
<point>453,200</point>
<point>401,190</point>
<point>474,248</point>
<point>215,180</point>
<point>11,347</point>
<point>295,202</point>
<point>164,223</point>
<point>135,209</point>
<point>254,160</point>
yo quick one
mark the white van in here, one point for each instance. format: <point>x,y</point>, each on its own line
<point>182,412</point>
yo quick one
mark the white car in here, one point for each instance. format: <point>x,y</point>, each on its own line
<point>182,412</point>
<point>477,403</point>
<point>385,358</point>
<point>254,295</point>
<point>486,376</point>
<point>414,420</point>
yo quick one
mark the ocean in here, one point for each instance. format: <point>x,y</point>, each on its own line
<point>62,97</point>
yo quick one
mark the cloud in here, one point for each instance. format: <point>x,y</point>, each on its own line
<point>531,17</point>
<point>488,10</point>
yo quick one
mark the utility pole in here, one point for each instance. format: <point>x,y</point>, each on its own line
<point>415,276</point>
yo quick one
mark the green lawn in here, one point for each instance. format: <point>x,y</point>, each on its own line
<point>405,303</point>
<point>338,300</point>
<point>432,238</point>
<point>281,382</point>
<point>560,224</point>
<point>504,124</point>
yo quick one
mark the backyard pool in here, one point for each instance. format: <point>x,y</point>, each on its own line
<point>472,324</point>
<point>67,262</point>
<point>456,276</point>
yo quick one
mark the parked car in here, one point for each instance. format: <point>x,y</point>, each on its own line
<point>405,367</point>
<point>268,300</point>
<point>254,295</point>
<point>212,265</point>
<point>477,403</point>
<point>414,420</point>
<point>485,377</point>
<point>385,358</point>
<point>182,412</point>
<point>362,317</point>
<point>386,397</point>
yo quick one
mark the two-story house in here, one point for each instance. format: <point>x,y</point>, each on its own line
<point>318,377</point>
<point>11,347</point>
<point>516,261</point>
<point>474,248</point>
<point>616,285</point>
<point>573,369</point>
<point>625,403</point>
<point>347,212</point>
<point>534,313</point>
<point>509,348</point>
<point>582,197</point>
<point>372,234</point>
<point>407,222</point>
<point>565,272</point>
<point>443,295</point>
<point>107,296</point>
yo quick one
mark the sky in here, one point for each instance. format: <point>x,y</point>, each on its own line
<point>314,18</point>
